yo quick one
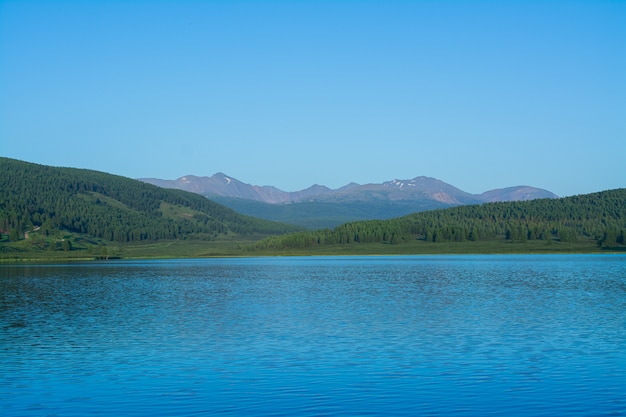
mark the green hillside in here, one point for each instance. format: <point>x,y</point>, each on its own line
<point>39,203</point>
<point>48,212</point>
<point>599,218</point>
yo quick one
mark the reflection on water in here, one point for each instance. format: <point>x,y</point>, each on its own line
<point>438,335</point>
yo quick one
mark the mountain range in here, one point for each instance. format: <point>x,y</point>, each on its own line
<point>68,213</point>
<point>319,206</point>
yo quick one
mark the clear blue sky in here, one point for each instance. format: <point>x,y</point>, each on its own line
<point>480,94</point>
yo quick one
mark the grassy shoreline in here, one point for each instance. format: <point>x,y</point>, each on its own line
<point>245,248</point>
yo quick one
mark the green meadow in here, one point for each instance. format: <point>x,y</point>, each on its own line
<point>87,250</point>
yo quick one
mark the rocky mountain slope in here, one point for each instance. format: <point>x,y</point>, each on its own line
<point>320,207</point>
<point>416,189</point>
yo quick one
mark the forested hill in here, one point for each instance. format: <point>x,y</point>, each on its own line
<point>600,216</point>
<point>48,199</point>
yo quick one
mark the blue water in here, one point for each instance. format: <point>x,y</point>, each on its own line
<point>422,335</point>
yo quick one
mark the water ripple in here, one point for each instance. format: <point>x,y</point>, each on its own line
<point>441,335</point>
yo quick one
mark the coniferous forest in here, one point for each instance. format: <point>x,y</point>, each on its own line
<point>44,199</point>
<point>598,216</point>
<point>41,205</point>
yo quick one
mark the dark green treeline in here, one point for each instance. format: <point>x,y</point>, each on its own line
<point>110,207</point>
<point>600,216</point>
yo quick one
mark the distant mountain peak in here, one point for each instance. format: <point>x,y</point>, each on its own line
<point>317,187</point>
<point>415,182</point>
<point>518,193</point>
<point>418,189</point>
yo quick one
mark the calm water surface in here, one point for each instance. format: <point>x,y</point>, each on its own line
<point>423,335</point>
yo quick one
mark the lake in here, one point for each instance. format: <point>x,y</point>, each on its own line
<point>505,335</point>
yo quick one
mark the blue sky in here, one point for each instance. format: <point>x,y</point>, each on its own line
<point>480,94</point>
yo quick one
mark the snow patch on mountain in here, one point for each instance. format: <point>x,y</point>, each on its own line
<point>418,189</point>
